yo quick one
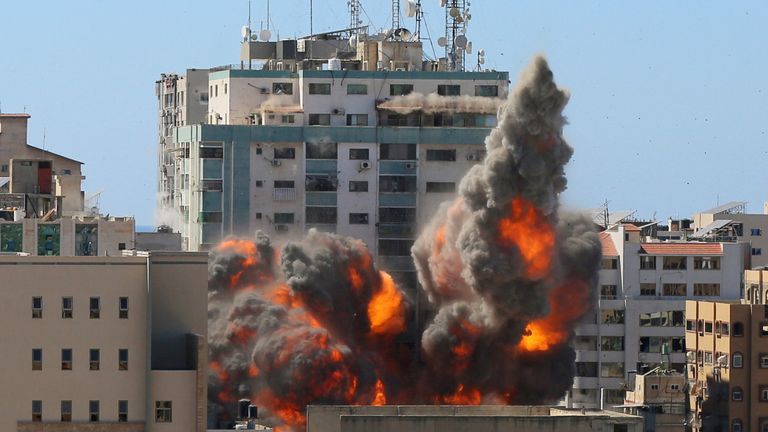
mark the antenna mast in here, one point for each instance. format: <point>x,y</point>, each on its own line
<point>419,17</point>
<point>395,14</point>
<point>456,18</point>
<point>354,15</point>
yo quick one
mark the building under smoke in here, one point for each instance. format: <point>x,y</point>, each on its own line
<point>505,273</point>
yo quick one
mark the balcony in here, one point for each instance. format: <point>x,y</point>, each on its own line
<point>284,194</point>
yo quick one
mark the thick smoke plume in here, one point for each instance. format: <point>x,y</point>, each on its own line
<point>507,278</point>
<point>433,103</point>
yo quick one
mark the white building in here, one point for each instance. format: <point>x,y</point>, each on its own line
<point>641,307</point>
<point>104,343</point>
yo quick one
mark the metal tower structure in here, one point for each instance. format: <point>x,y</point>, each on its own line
<point>395,14</point>
<point>355,20</point>
<point>456,17</point>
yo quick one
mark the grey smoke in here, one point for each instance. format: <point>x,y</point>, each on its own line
<point>434,103</point>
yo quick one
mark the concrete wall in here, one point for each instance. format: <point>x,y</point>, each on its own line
<point>476,424</point>
<point>110,235</point>
<point>179,388</point>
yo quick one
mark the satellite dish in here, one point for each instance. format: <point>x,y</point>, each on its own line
<point>402,34</point>
<point>481,60</point>
<point>442,42</point>
<point>265,35</point>
<point>454,13</point>
<point>411,9</point>
<point>245,31</point>
<point>353,41</point>
<point>461,41</point>
<point>481,53</point>
<point>469,48</point>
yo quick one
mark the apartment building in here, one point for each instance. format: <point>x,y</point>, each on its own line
<point>34,179</point>
<point>659,397</point>
<point>104,343</point>
<point>731,222</point>
<point>756,286</point>
<point>641,308</point>
<point>80,236</point>
<point>339,140</point>
<point>727,351</point>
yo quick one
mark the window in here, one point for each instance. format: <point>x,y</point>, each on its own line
<point>122,411</point>
<point>66,307</point>
<point>37,359</point>
<point>764,328</point>
<point>397,215</point>
<point>662,319</point>
<point>612,343</point>
<point>358,186</point>
<point>738,360</point>
<point>397,152</point>
<point>321,215</point>
<point>608,292</point>
<point>319,119</point>
<point>763,361</point>
<point>122,359</point>
<point>94,359</point>
<point>225,88</point>
<point>756,232</point>
<point>400,89</point>
<point>37,410</point>
<point>93,410</point>
<point>674,289</point>
<point>708,327</point>
<point>358,218</point>
<point>95,304</point>
<point>655,344</point>
<point>358,154</point>
<point>448,90</point>
<point>612,370</point>
<point>66,410</point>
<point>395,120</point>
<point>163,411</point>
<point>284,184</point>
<point>737,425</point>
<point>397,184</point>
<point>708,357</point>
<point>586,369</point>
<point>738,329</point>
<point>285,153</point>
<point>647,262</point>
<point>258,215</point>
<point>763,394</point>
<point>357,119</point>
<point>690,325</point>
<point>121,246</point>
<point>66,359</point>
<point>395,247</point>
<point>648,289</point>
<point>211,153</point>
<point>487,90</point>
<point>612,316</point>
<point>259,183</point>
<point>585,343</point>
<point>123,306</point>
<point>319,89</point>
<point>706,263</point>
<point>37,307</point>
<point>320,183</point>
<point>724,328</point>
<point>216,90</point>
<point>322,150</point>
<point>357,89</point>
<point>4,168</point>
<point>609,264</point>
<point>654,386</point>
<point>441,187</point>
<point>674,262</point>
<point>757,251</point>
<point>737,394</point>
<point>282,88</point>
<point>441,155</point>
<point>288,119</point>
<point>706,289</point>
<point>284,218</point>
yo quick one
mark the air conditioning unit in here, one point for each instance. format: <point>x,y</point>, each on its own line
<point>281,228</point>
<point>364,165</point>
<point>410,165</point>
<point>337,111</point>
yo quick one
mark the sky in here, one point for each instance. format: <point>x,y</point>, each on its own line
<point>668,111</point>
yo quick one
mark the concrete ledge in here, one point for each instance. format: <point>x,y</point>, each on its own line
<point>79,427</point>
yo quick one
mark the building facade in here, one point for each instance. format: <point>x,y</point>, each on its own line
<point>659,397</point>
<point>85,236</point>
<point>641,308</point>
<point>730,222</point>
<point>727,344</point>
<point>104,343</point>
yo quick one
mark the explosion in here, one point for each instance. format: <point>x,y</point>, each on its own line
<point>506,275</point>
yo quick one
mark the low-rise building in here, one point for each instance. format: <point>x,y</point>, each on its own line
<point>103,343</point>
<point>731,222</point>
<point>81,236</point>
<point>727,352</point>
<point>455,418</point>
<point>659,397</point>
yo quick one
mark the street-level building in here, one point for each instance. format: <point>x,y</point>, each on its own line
<point>659,397</point>
<point>104,343</point>
<point>643,286</point>
<point>727,344</point>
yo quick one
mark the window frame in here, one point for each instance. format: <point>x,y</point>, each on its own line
<point>37,365</point>
<point>67,312</point>
<point>94,359</point>
<point>37,312</point>
<point>37,411</point>
<point>123,311</point>
<point>737,360</point>
<point>94,409</point>
<point>163,411</point>
<point>66,410</point>
<point>95,312</point>
<point>122,365</point>
<point>67,365</point>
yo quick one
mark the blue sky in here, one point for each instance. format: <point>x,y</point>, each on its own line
<point>667,116</point>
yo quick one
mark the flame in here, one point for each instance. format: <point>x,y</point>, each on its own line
<point>567,303</point>
<point>241,247</point>
<point>219,371</point>
<point>386,310</point>
<point>253,371</point>
<point>380,397</point>
<point>533,236</point>
<point>463,396</point>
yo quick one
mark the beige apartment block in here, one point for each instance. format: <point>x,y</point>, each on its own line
<point>756,286</point>
<point>103,343</point>
<point>727,352</point>
<point>731,222</point>
<point>659,397</point>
